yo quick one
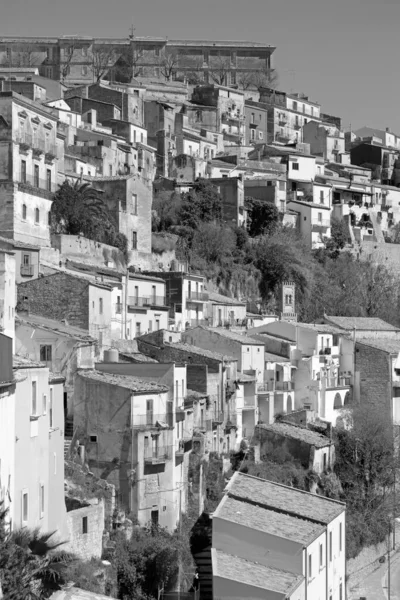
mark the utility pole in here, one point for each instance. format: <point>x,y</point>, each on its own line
<point>389,564</point>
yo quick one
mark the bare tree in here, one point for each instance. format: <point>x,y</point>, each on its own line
<point>129,64</point>
<point>168,63</point>
<point>103,59</point>
<point>265,78</point>
<point>26,56</point>
<point>245,79</point>
<point>65,64</point>
<point>219,70</point>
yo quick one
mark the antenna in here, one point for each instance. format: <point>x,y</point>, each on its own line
<point>132,31</point>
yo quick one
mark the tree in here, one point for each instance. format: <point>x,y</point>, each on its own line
<point>262,217</point>
<point>65,65</point>
<point>202,203</point>
<point>27,56</point>
<point>166,205</point>
<point>77,209</point>
<point>219,69</point>
<point>128,66</point>
<point>169,62</point>
<point>103,59</point>
<point>257,79</point>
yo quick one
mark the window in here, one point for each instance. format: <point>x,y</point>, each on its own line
<point>233,77</point>
<point>137,334</point>
<point>110,170</point>
<point>157,52</point>
<point>295,166</point>
<point>24,507</point>
<point>44,404</point>
<point>252,134</point>
<point>48,180</point>
<point>321,556</point>
<point>321,196</point>
<point>101,306</point>
<point>282,186</point>
<point>176,389</point>
<point>45,353</point>
<point>84,524</point>
<point>49,218</point>
<point>41,501</point>
<point>309,566</point>
<point>134,240</point>
<point>294,105</point>
<point>93,438</point>
<point>84,70</point>
<point>252,118</point>
<point>154,517</point>
<point>36,176</point>
<point>34,399</point>
<point>157,324</point>
<point>134,204</point>
<point>319,217</point>
<point>340,537</point>
<point>24,212</point>
<point>330,546</point>
<point>150,326</point>
<point>51,409</point>
<point>153,294</point>
<point>37,216</point>
<point>260,135</point>
<point>84,51</point>
<point>341,591</point>
<point>23,171</point>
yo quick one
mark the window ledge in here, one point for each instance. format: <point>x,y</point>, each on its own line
<point>34,417</point>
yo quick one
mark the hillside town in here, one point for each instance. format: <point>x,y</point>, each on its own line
<point>199,330</point>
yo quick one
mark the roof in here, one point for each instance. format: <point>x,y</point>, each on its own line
<point>284,499</point>
<point>200,351</point>
<point>55,326</point>
<point>23,362</point>
<point>221,299</point>
<point>268,521</point>
<point>270,357</point>
<point>309,204</point>
<point>56,378</point>
<point>244,377</point>
<point>363,323</point>
<point>137,357</point>
<point>196,395</point>
<point>236,337</point>
<point>243,571</point>
<point>17,244</point>
<point>296,432</point>
<point>134,384</point>
<point>321,327</point>
<point>391,346</point>
<point>74,593</point>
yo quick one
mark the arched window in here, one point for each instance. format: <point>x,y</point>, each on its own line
<point>347,399</point>
<point>289,404</point>
<point>24,212</point>
<point>37,215</point>
<point>337,403</point>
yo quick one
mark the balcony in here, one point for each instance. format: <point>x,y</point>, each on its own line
<point>38,144</point>
<point>157,455</point>
<point>118,308</point>
<point>197,297</point>
<point>36,186</point>
<point>320,224</point>
<point>151,420</point>
<point>284,386</point>
<point>179,415</point>
<point>282,120</point>
<point>297,127</point>
<point>249,403</point>
<point>217,418</point>
<point>146,302</point>
<point>268,386</point>
<point>337,382</point>
<point>231,422</point>
<point>184,445</point>
<point>27,270</point>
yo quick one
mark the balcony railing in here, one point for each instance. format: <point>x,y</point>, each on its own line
<point>37,186</point>
<point>268,386</point>
<point>27,270</point>
<point>150,420</point>
<point>35,142</point>
<point>147,301</point>
<point>157,455</point>
<point>197,297</point>
<point>325,223</point>
<point>284,386</point>
<point>334,382</point>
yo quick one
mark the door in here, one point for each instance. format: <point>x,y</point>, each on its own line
<point>149,412</point>
<point>154,517</point>
<point>220,316</point>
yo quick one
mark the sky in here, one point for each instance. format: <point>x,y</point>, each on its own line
<point>343,54</point>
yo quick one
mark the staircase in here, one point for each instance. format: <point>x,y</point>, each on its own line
<point>204,569</point>
<point>67,445</point>
<point>68,434</point>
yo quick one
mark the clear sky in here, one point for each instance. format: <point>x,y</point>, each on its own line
<point>342,53</point>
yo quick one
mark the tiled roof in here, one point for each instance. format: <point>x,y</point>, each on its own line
<point>386,344</point>
<point>56,377</point>
<point>55,326</point>
<point>128,382</point>
<point>23,362</point>
<point>220,299</point>
<point>272,522</point>
<point>137,357</point>
<point>195,395</point>
<point>321,327</point>
<point>17,244</point>
<point>200,351</point>
<point>284,499</point>
<point>243,377</point>
<point>270,357</point>
<point>78,594</point>
<point>371,323</point>
<point>237,337</point>
<point>253,574</point>
<point>298,433</point>
<point>92,268</point>
<point>90,279</point>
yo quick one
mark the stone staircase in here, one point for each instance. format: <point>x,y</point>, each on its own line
<point>204,569</point>
<point>68,434</point>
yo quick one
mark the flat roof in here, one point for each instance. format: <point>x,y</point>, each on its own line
<point>269,521</point>
<point>253,574</point>
<point>134,384</point>
<point>284,499</point>
<point>296,432</point>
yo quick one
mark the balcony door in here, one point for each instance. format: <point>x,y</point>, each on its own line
<point>149,412</point>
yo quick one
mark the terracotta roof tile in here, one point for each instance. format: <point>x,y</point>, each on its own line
<point>128,382</point>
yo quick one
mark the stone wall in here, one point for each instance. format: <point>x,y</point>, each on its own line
<point>81,248</point>
<point>57,297</point>
<point>384,254</point>
<point>373,365</point>
<point>86,545</point>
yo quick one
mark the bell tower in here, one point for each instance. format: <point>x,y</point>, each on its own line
<point>287,301</point>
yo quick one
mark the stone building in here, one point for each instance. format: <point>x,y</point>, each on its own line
<point>28,168</point>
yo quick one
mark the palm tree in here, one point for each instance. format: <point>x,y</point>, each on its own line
<point>78,209</point>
